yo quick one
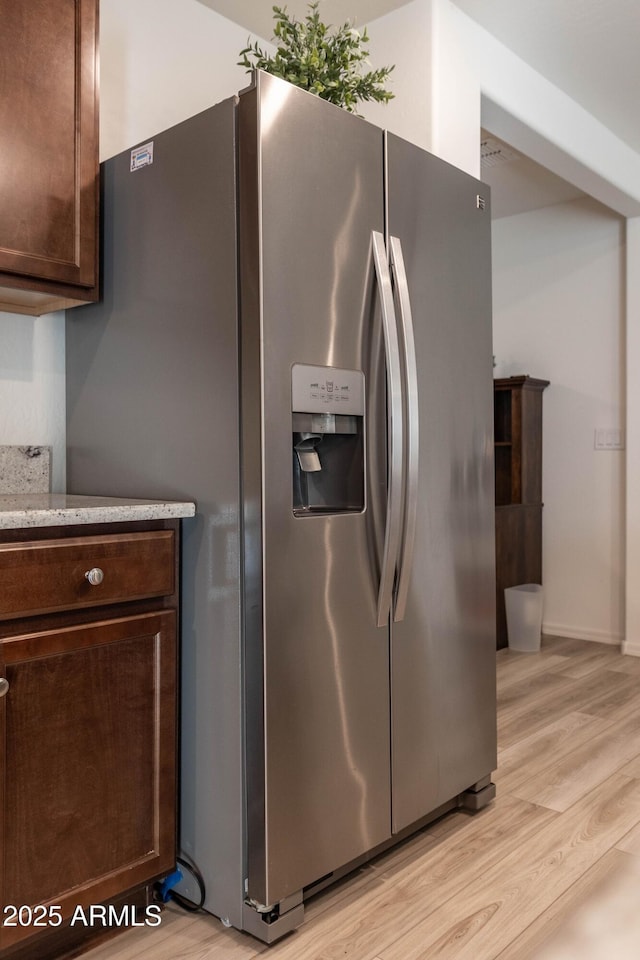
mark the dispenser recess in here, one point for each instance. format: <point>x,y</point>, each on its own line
<point>327,407</point>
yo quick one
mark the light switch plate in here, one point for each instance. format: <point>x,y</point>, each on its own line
<point>609,438</point>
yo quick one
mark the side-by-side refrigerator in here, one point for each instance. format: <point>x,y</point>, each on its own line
<point>295,332</point>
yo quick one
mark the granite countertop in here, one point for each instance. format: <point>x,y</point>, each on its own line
<point>25,469</point>
<point>59,509</point>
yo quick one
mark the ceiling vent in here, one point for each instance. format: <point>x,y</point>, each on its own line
<point>494,152</point>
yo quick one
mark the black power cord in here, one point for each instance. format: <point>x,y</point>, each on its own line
<point>184,902</point>
<point>178,898</point>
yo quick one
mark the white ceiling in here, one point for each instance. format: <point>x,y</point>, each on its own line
<point>257,15</point>
<point>518,184</point>
<point>588,48</point>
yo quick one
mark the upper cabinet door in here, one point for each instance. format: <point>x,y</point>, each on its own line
<point>49,163</point>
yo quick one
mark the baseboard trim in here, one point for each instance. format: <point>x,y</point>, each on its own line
<point>631,649</point>
<point>580,633</point>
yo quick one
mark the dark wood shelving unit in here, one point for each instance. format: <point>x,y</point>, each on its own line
<point>518,470</point>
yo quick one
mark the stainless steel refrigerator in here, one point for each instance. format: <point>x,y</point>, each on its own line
<point>295,331</point>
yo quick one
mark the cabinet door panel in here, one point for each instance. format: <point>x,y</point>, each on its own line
<point>88,738</point>
<point>48,116</point>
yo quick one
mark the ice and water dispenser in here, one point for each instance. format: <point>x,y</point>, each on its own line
<point>328,440</point>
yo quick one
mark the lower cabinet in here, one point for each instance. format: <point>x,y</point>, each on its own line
<point>87,742</point>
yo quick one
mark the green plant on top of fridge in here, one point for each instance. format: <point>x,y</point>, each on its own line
<point>327,61</point>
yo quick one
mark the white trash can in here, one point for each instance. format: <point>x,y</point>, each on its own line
<point>524,616</point>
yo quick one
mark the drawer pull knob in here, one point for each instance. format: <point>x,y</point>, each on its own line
<point>4,686</point>
<point>95,576</point>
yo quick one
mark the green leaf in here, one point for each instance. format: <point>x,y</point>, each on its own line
<point>327,61</point>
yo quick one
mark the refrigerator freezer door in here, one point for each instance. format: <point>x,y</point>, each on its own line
<point>316,663</point>
<point>443,651</point>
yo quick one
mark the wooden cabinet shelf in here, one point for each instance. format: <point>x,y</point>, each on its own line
<point>518,476</point>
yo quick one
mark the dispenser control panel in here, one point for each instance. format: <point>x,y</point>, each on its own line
<point>327,390</point>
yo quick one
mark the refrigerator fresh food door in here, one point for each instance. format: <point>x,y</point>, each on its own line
<point>443,648</point>
<point>317,680</point>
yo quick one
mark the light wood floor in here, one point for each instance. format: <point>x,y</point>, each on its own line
<point>551,870</point>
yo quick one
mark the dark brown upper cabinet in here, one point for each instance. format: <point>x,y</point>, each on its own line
<point>49,158</point>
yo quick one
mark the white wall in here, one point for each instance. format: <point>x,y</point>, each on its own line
<point>435,82</point>
<point>32,388</point>
<point>162,61</point>
<point>632,580</point>
<point>559,315</point>
<point>404,39</point>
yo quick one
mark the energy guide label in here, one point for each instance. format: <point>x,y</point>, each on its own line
<point>141,156</point>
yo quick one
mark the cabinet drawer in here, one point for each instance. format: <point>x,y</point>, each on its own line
<point>51,575</point>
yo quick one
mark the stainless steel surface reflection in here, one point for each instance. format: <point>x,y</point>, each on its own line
<point>338,604</point>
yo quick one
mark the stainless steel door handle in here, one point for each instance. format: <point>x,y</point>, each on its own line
<point>412,427</point>
<point>395,440</point>
<point>4,686</point>
<point>95,576</point>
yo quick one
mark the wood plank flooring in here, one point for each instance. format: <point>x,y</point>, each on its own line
<point>550,871</point>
